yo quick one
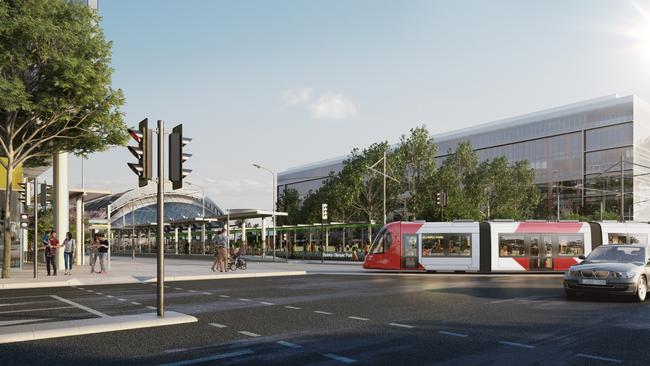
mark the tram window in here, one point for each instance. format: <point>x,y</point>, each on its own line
<point>511,246</point>
<point>460,245</point>
<point>619,238</point>
<point>639,238</point>
<point>379,242</point>
<point>571,245</point>
<point>433,245</point>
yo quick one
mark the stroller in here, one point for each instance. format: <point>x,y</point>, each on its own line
<point>236,261</point>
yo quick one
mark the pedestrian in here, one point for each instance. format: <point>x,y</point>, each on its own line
<point>69,248</point>
<point>103,254</point>
<point>366,249</point>
<point>218,253</point>
<point>50,252</point>
<point>93,251</point>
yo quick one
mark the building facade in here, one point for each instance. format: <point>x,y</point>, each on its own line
<point>579,153</point>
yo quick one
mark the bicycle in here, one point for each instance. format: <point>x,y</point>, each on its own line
<point>237,262</point>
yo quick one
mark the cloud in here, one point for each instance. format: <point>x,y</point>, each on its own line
<point>295,96</point>
<point>333,106</point>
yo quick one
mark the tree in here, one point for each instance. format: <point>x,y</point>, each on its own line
<point>55,88</point>
<point>455,178</point>
<point>416,166</point>
<point>289,202</point>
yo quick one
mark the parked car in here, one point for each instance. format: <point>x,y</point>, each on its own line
<point>611,269</point>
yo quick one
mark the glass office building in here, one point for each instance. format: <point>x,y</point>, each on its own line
<point>576,150</point>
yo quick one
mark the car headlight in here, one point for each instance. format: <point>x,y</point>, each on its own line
<point>571,273</point>
<point>623,274</point>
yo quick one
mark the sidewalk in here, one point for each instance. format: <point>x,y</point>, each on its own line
<point>126,270</point>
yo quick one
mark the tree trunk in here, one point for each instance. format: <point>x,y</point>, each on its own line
<point>6,262</point>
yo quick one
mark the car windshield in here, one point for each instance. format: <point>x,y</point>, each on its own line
<point>618,254</point>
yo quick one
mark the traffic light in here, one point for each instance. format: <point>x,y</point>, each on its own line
<point>143,136</point>
<point>23,193</point>
<point>324,211</point>
<point>24,220</point>
<point>177,157</point>
<point>439,198</point>
<point>46,194</point>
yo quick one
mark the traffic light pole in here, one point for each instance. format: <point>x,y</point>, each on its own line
<point>35,227</point>
<point>161,206</point>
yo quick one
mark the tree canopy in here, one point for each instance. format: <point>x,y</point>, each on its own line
<point>55,87</point>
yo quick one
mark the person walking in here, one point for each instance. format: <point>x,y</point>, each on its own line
<point>69,248</point>
<point>50,252</point>
<point>219,255</point>
<point>103,254</point>
<point>93,253</point>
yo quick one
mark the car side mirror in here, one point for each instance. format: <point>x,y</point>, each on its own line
<point>582,257</point>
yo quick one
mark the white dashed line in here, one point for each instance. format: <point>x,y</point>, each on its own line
<point>515,344</point>
<point>110,296</point>
<point>250,334</point>
<point>191,290</point>
<point>357,318</point>
<point>151,308</point>
<point>289,344</point>
<point>322,312</point>
<point>266,303</point>
<point>90,291</point>
<point>79,288</point>
<point>217,325</point>
<point>401,325</point>
<point>178,288</point>
<point>339,358</point>
<point>207,293</point>
<point>224,296</point>
<point>211,358</point>
<point>121,299</point>
<point>452,334</point>
<point>243,299</point>
<point>99,293</point>
<point>600,358</point>
<point>293,307</point>
<point>135,303</point>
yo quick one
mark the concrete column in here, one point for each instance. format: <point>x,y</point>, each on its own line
<point>176,240</point>
<point>78,223</point>
<point>189,237</point>
<point>203,237</point>
<point>148,240</point>
<point>244,244</point>
<point>61,200</point>
<point>264,238</point>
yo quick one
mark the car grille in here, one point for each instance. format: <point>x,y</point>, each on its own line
<point>588,273</point>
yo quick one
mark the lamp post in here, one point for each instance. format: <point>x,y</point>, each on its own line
<point>274,179</point>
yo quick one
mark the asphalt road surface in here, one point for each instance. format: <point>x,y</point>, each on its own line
<point>383,319</point>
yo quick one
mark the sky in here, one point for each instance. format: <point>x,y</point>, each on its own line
<point>285,83</point>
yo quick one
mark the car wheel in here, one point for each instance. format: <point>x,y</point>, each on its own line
<point>571,295</point>
<point>641,289</point>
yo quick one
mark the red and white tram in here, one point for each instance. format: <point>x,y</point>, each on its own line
<point>494,245</point>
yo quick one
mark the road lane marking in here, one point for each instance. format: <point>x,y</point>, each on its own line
<point>358,318</point>
<point>210,358</point>
<point>110,296</point>
<point>24,303</point>
<point>21,321</point>
<point>600,358</point>
<point>80,288</point>
<point>98,293</point>
<point>207,293</point>
<point>151,308</point>
<point>90,291</point>
<point>515,344</point>
<point>135,303</point>
<point>217,325</point>
<point>247,333</point>
<point>322,312</point>
<point>340,358</point>
<point>175,350</point>
<point>289,344</point>
<point>191,290</point>
<point>452,334</point>
<point>121,299</point>
<point>42,309</point>
<point>293,307</point>
<point>224,296</point>
<point>178,288</point>
<point>402,325</point>
<point>266,303</point>
<point>92,311</point>
<point>243,299</point>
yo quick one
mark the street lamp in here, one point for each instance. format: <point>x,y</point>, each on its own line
<point>274,180</point>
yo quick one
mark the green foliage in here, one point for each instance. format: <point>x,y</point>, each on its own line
<point>55,87</point>
<point>289,202</point>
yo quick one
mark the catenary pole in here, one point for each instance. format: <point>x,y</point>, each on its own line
<point>36,228</point>
<point>160,233</point>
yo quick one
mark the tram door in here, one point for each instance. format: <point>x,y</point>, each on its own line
<point>540,249</point>
<point>410,251</point>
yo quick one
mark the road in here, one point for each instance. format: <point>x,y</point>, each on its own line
<point>382,319</point>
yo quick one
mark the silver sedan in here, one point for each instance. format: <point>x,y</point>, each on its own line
<point>612,269</point>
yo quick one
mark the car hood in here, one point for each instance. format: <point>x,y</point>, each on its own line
<point>609,266</point>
